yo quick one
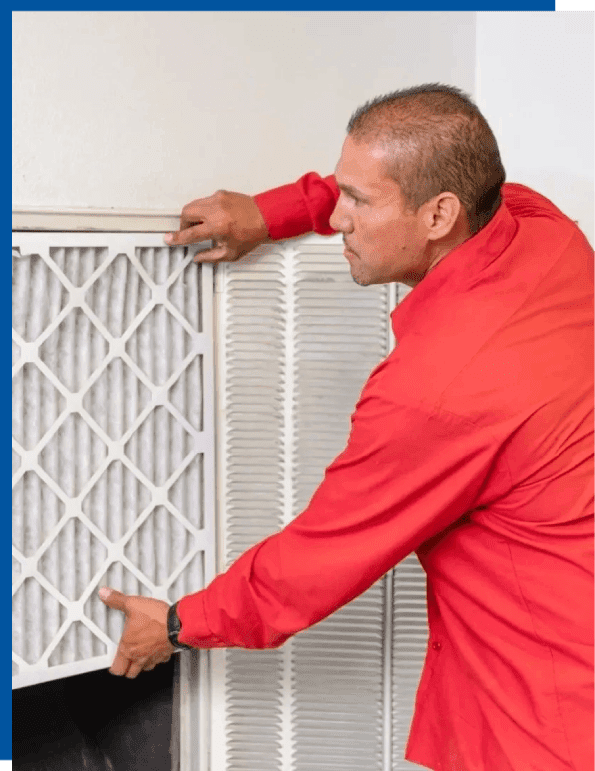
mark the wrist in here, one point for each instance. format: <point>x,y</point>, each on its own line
<point>174,628</point>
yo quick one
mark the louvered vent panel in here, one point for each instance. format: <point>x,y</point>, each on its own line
<point>299,340</point>
<point>340,333</point>
<point>113,451</point>
<point>410,635</point>
<point>254,378</point>
<point>254,400</point>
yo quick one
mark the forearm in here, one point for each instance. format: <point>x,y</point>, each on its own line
<point>380,499</point>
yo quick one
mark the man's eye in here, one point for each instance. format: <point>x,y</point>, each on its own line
<point>354,200</point>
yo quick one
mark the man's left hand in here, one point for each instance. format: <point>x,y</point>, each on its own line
<point>144,642</point>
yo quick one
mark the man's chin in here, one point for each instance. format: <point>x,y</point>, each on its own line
<point>357,276</point>
<point>359,280</point>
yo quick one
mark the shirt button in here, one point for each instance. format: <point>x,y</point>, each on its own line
<point>436,645</point>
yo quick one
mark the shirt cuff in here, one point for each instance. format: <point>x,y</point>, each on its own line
<point>300,207</point>
<point>195,630</point>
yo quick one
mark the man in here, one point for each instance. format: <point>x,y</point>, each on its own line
<point>471,443</point>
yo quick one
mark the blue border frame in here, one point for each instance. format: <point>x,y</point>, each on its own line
<point>306,5</point>
<point>337,5</point>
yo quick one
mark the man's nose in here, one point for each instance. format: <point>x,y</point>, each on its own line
<point>340,221</point>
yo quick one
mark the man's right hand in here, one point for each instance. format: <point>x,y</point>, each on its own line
<point>232,220</point>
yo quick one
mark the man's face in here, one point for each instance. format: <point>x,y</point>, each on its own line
<point>384,241</point>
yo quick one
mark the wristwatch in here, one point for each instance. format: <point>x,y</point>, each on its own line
<point>174,627</point>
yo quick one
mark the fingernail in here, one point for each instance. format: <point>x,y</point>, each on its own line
<point>168,238</point>
<point>104,592</point>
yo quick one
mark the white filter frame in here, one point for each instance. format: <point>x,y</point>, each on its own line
<point>174,553</point>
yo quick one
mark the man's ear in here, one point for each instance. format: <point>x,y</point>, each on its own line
<point>441,214</point>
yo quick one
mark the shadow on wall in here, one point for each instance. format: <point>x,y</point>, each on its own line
<point>95,722</point>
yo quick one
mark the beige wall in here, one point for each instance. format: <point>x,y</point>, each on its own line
<point>151,109</point>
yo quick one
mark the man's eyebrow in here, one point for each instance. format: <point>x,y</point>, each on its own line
<point>353,191</point>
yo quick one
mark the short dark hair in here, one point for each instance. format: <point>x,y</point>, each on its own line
<point>438,141</point>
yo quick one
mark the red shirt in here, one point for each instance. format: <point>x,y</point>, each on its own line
<point>472,445</point>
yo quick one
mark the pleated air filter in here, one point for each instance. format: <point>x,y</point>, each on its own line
<point>297,341</point>
<point>113,450</point>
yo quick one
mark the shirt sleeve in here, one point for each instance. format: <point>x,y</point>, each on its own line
<point>406,474</point>
<point>301,207</point>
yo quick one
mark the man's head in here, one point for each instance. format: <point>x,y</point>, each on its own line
<point>419,173</point>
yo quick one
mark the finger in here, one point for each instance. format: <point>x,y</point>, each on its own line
<point>153,661</point>
<point>135,668</point>
<point>189,235</point>
<point>216,254</point>
<point>194,213</point>
<point>113,598</point>
<point>119,665</point>
<point>160,658</point>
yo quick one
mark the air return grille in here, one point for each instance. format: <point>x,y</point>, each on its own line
<point>298,340</point>
<point>113,451</point>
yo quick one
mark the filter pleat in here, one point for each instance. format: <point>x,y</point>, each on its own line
<point>177,543</point>
<point>35,314</point>
<point>21,270</point>
<point>117,296</point>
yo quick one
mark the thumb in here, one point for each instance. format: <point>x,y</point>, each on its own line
<point>112,598</point>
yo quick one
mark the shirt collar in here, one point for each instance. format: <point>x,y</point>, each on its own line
<point>460,268</point>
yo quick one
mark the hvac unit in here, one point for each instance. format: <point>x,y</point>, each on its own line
<point>138,392</point>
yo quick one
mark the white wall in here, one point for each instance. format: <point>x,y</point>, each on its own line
<point>535,85</point>
<point>152,109</point>
<point>147,110</point>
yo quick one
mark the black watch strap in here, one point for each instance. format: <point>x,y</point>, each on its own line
<point>174,627</point>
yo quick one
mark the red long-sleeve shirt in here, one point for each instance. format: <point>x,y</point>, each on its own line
<point>472,445</point>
